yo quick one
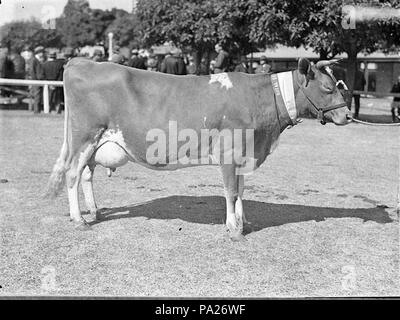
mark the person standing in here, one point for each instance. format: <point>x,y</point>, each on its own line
<point>202,71</point>
<point>174,64</point>
<point>359,84</point>
<point>37,73</point>
<point>19,64</point>
<point>97,55</point>
<point>152,62</point>
<point>181,63</point>
<point>264,67</point>
<point>191,67</point>
<point>53,70</point>
<point>242,66</point>
<point>136,61</point>
<point>396,100</point>
<point>222,60</point>
<point>117,57</point>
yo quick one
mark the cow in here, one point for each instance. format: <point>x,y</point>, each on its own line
<point>110,110</point>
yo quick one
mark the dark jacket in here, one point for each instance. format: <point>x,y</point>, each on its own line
<point>359,81</point>
<point>191,69</point>
<point>53,70</point>
<point>36,69</point>
<point>173,65</point>
<point>396,89</point>
<point>222,62</point>
<point>138,63</point>
<point>263,68</point>
<point>19,66</point>
<point>242,68</point>
<point>6,67</point>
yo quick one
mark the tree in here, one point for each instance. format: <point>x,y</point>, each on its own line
<point>17,34</point>
<point>325,28</point>
<point>126,29</point>
<point>199,25</point>
<point>191,24</point>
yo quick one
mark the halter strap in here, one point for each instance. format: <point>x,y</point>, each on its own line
<point>321,110</point>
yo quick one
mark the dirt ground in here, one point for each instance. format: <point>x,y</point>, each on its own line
<point>321,207</point>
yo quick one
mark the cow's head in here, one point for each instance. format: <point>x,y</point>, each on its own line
<point>321,96</point>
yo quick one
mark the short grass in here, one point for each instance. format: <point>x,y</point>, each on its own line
<point>321,208</point>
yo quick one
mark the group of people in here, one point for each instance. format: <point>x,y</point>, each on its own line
<point>175,62</point>
<point>223,63</point>
<point>36,65</point>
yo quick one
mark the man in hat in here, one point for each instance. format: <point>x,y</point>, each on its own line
<point>37,73</point>
<point>174,63</point>
<point>242,67</point>
<point>396,101</point>
<point>136,61</point>
<point>69,53</point>
<point>19,64</point>
<point>53,70</point>
<point>191,67</point>
<point>264,67</point>
<point>117,57</point>
<point>97,55</point>
<point>222,60</point>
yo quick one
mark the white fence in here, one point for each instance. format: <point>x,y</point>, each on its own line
<point>43,83</point>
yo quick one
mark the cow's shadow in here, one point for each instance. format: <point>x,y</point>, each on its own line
<point>211,210</point>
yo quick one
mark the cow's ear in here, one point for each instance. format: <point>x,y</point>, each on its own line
<point>304,66</point>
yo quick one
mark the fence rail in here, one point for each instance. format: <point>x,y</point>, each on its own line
<point>43,83</point>
<point>377,94</point>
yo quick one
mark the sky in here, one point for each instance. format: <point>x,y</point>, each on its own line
<point>42,9</point>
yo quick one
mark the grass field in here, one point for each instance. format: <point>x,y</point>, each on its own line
<point>321,207</point>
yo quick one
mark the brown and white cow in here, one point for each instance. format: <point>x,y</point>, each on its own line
<point>110,109</point>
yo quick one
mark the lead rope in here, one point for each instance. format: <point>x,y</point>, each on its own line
<point>376,124</point>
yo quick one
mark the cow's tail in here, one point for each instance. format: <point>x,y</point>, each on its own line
<point>57,179</point>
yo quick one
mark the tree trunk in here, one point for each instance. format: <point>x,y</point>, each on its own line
<point>351,75</point>
<point>198,54</point>
<point>207,56</point>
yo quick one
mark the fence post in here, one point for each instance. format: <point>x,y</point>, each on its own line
<point>46,105</point>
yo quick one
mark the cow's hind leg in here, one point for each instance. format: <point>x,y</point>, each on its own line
<point>73,176</point>
<point>87,187</point>
<point>234,203</point>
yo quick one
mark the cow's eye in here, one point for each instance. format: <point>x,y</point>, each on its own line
<point>327,89</point>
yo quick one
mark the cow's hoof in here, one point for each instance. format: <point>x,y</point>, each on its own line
<point>237,237</point>
<point>98,216</point>
<point>82,225</point>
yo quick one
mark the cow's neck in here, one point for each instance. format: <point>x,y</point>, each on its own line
<point>286,115</point>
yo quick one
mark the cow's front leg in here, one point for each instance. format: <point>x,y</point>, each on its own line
<point>234,203</point>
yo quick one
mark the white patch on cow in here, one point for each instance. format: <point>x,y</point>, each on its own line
<point>223,79</point>
<point>285,80</point>
<point>112,149</point>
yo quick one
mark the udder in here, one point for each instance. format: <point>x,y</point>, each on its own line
<point>111,155</point>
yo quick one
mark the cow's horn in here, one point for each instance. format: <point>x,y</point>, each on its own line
<point>326,63</point>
